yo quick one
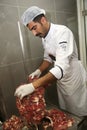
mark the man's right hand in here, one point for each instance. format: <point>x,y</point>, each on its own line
<point>35,74</point>
<point>24,90</point>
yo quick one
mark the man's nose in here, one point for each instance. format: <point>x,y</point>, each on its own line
<point>34,32</point>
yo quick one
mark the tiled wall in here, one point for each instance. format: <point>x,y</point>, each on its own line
<point>16,65</point>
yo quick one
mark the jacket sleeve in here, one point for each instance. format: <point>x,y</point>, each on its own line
<point>47,57</point>
<point>64,54</point>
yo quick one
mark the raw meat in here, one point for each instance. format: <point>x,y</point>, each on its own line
<point>33,106</point>
<point>13,123</point>
<point>57,119</point>
<point>32,109</point>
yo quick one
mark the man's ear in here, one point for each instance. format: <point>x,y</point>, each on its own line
<point>43,20</point>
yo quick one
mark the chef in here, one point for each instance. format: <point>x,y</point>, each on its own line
<point>59,49</point>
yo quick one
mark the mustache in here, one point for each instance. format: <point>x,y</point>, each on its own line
<point>38,34</point>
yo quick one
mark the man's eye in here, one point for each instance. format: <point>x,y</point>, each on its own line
<point>34,28</point>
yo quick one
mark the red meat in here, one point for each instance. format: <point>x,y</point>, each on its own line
<point>13,123</point>
<point>32,107</point>
<point>59,120</point>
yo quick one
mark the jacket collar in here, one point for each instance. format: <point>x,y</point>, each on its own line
<point>50,33</point>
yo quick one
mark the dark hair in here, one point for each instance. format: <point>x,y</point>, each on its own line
<point>38,18</point>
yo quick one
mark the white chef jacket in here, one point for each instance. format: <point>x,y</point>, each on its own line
<point>60,46</point>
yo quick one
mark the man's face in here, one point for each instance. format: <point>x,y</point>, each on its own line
<point>38,29</point>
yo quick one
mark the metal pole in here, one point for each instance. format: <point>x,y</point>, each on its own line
<point>22,47</point>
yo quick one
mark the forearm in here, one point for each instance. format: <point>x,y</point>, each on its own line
<point>45,64</point>
<point>48,78</point>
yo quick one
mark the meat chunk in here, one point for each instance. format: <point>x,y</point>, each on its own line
<point>13,123</point>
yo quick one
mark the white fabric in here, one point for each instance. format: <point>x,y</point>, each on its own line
<point>72,90</point>
<point>61,44</point>
<point>24,90</point>
<point>30,14</point>
<point>54,70</point>
<point>36,73</point>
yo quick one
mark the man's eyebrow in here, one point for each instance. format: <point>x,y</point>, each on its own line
<point>32,28</point>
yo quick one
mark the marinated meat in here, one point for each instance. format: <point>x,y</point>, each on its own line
<point>32,107</point>
<point>13,123</point>
<point>57,119</point>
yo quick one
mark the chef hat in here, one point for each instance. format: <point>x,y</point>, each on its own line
<point>31,13</point>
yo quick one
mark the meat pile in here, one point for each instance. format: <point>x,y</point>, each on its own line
<point>32,109</point>
<point>14,123</point>
<point>57,120</point>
